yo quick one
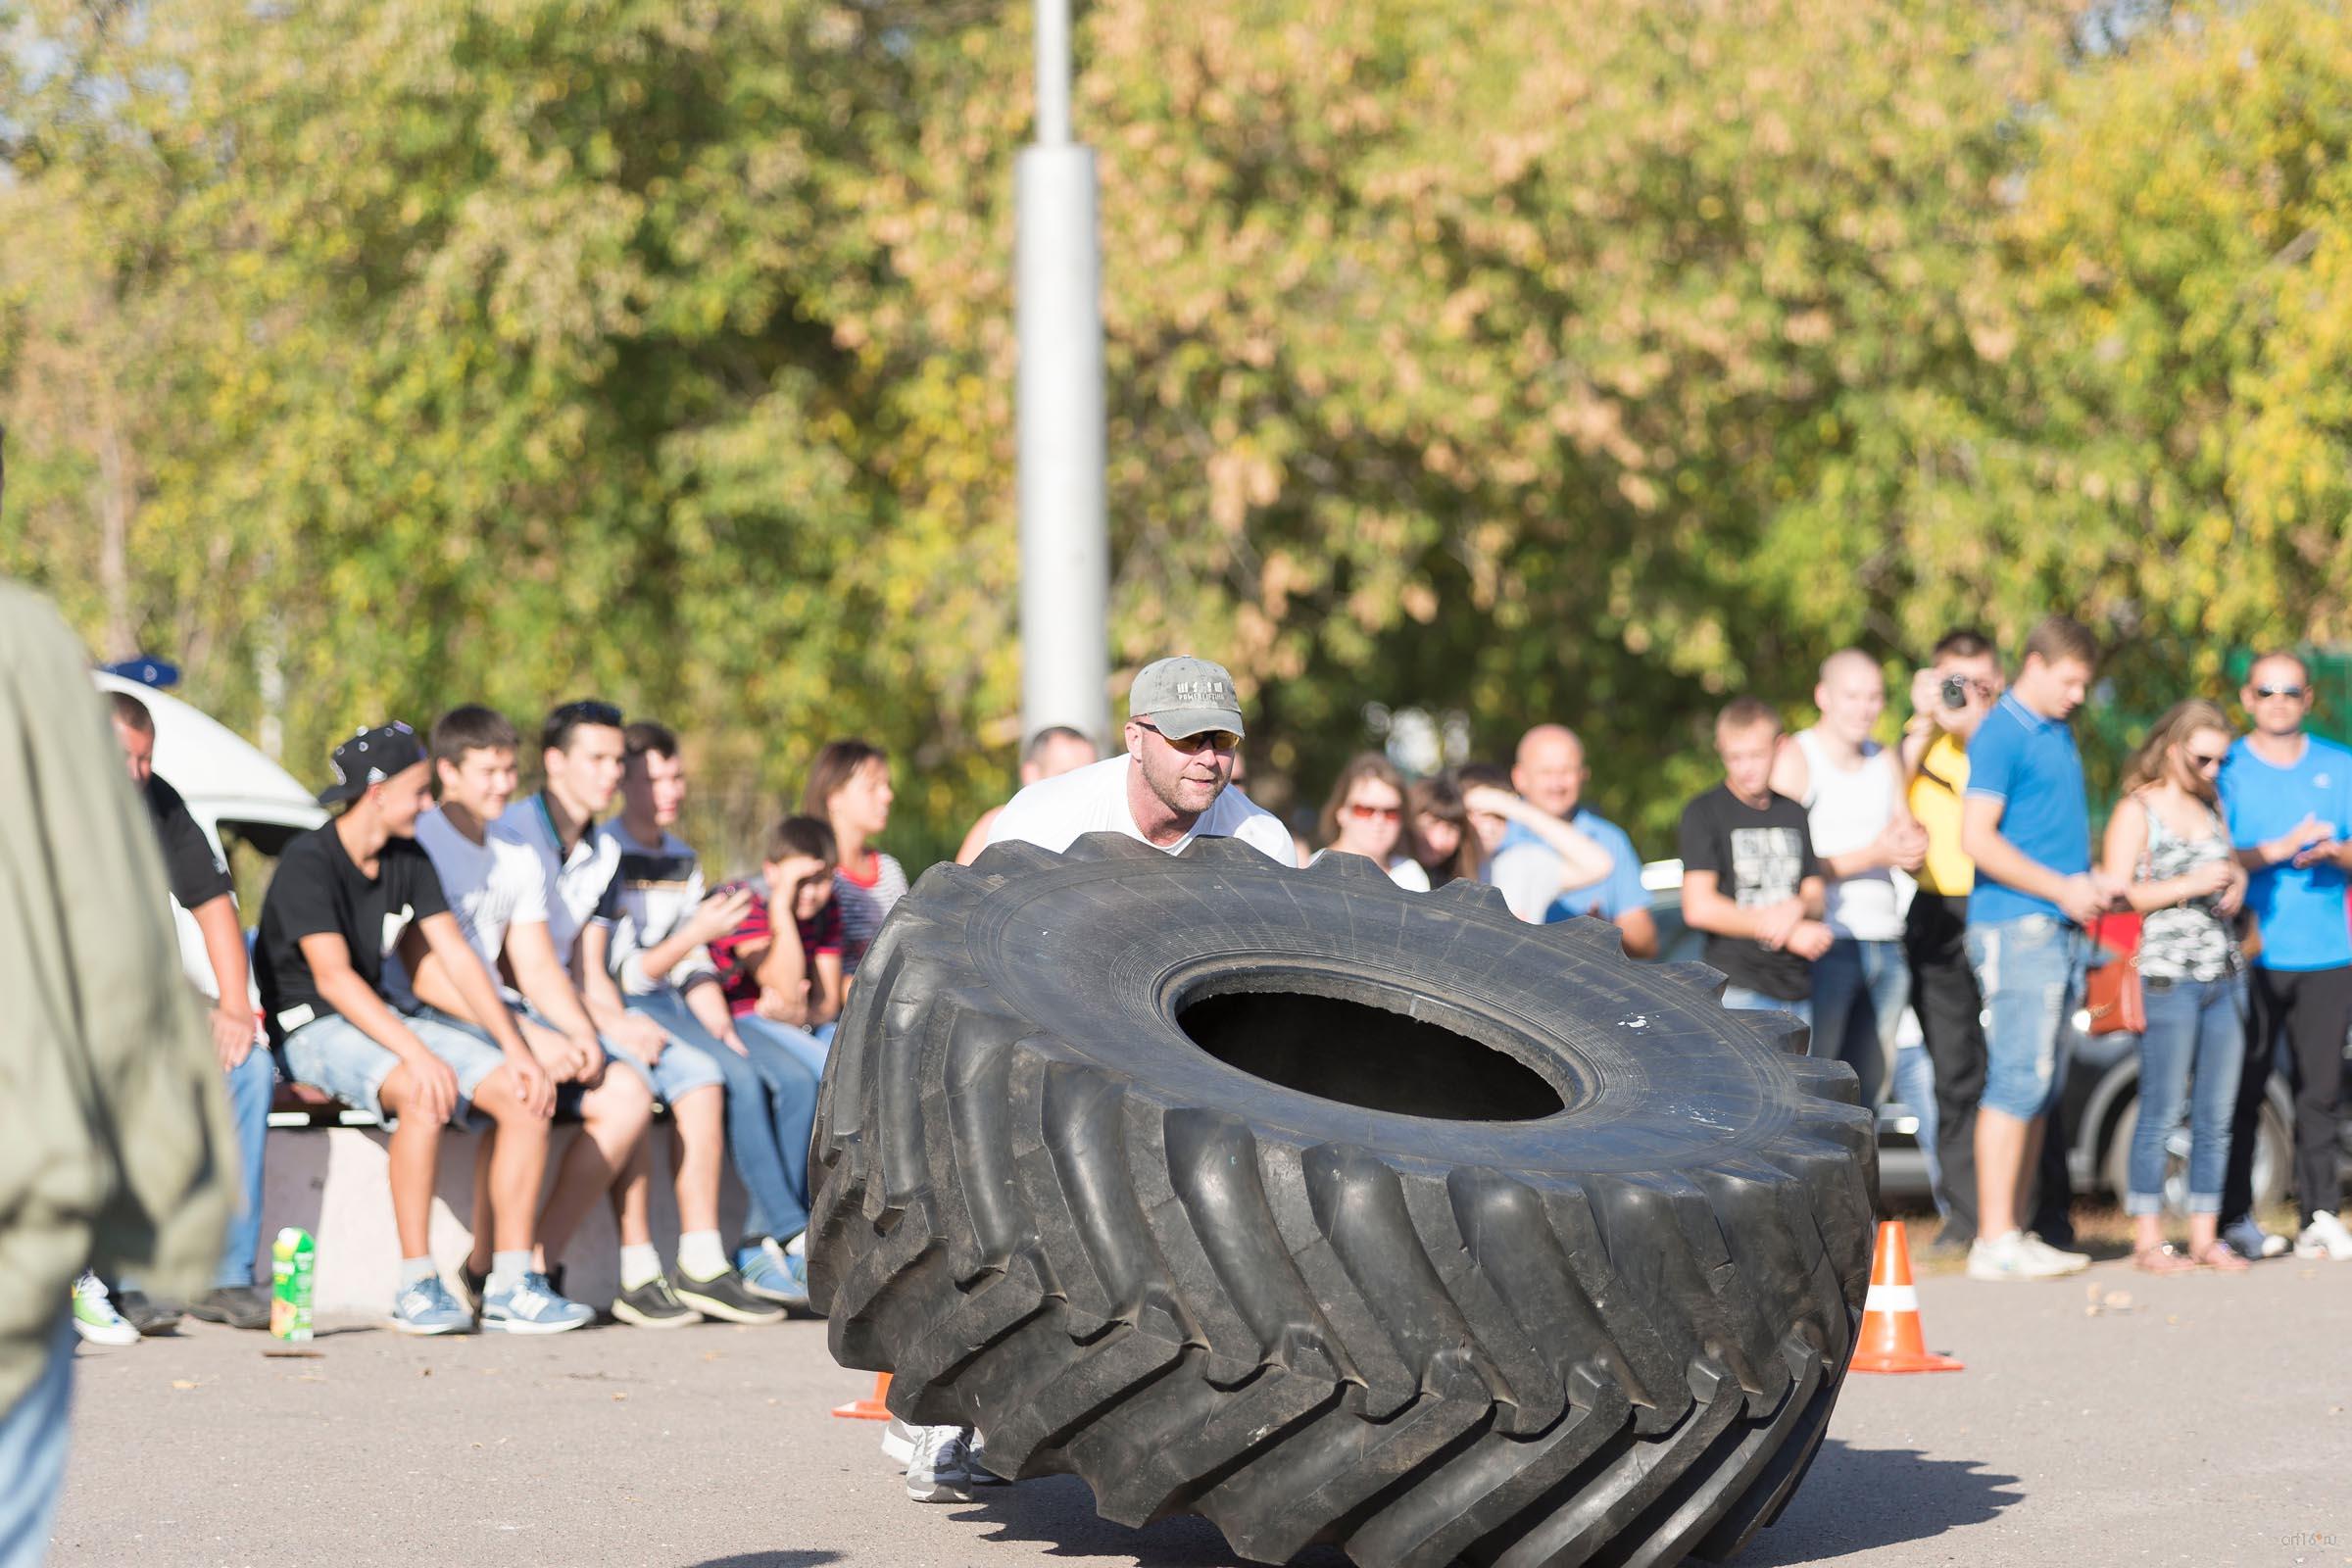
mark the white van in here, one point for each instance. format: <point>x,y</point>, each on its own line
<point>236,794</point>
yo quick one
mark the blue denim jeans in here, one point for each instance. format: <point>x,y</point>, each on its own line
<point>1739,999</point>
<point>2196,1035</point>
<point>252,1084</point>
<point>1859,991</point>
<point>1915,1087</point>
<point>2029,973</point>
<point>32,1454</point>
<point>772,1109</point>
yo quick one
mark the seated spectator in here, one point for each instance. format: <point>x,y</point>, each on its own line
<point>580,752</point>
<point>1365,815</point>
<point>199,884</point>
<point>788,974</point>
<point>1750,879</point>
<point>1052,752</point>
<point>849,790</point>
<point>1439,830</point>
<point>2169,850</point>
<point>651,935</point>
<point>498,891</point>
<point>1546,863</point>
<point>341,898</point>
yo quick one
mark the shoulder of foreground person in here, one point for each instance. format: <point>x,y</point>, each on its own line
<point>100,1158</point>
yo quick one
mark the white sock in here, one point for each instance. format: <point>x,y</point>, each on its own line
<point>416,1271</point>
<point>506,1269</point>
<point>640,1264</point>
<point>699,1257</point>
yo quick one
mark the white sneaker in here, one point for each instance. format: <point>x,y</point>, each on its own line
<point>941,1468</point>
<point>897,1443</point>
<point>94,1316</point>
<point>2007,1257</point>
<point>2064,1262</point>
<point>2325,1237</point>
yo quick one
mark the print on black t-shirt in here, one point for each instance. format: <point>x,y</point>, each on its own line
<point>1759,857</point>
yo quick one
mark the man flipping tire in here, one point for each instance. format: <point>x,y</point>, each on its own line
<point>1329,1212</point>
<point>1184,727</point>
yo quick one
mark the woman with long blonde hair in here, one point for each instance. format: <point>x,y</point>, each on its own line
<point>2166,840</point>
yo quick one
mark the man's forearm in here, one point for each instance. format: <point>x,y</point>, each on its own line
<point>356,1000</point>
<point>709,1005</point>
<point>224,949</point>
<point>2004,862</point>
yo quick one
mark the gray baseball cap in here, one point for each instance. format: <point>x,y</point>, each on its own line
<point>1184,697</point>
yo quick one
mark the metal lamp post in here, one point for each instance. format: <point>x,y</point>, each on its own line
<point>1065,544</point>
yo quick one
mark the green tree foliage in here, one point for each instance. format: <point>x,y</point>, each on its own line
<point>1593,361</point>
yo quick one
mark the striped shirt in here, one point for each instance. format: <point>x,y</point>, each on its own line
<point>865,903</point>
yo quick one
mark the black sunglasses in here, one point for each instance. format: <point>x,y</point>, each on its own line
<point>1215,740</point>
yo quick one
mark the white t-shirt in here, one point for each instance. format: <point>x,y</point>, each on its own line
<point>574,884</point>
<point>1405,871</point>
<point>489,885</point>
<point>1054,811</point>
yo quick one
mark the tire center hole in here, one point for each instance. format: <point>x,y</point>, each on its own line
<point>1366,1055</point>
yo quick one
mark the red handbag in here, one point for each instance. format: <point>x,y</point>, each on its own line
<point>2111,993</point>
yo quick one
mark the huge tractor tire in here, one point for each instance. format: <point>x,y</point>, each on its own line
<point>1338,1213</point>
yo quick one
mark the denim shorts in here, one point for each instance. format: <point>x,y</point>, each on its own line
<point>671,1079</point>
<point>337,1056</point>
<point>2029,973</point>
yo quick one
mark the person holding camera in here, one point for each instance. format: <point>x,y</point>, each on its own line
<point>1949,699</point>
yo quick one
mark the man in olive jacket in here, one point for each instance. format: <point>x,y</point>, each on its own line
<point>116,1149</point>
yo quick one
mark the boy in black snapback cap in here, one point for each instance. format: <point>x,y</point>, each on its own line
<point>341,898</point>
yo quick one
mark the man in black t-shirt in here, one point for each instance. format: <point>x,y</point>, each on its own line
<point>1749,876</point>
<point>341,898</point>
<point>200,884</point>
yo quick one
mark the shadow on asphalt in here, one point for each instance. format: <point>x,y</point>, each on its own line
<point>1854,1500</point>
<point>1860,1499</point>
<point>1055,1515</point>
<point>773,1559</point>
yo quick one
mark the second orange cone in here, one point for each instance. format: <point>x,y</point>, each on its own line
<point>1892,1341</point>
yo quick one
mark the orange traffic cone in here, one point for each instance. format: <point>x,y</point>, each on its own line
<point>869,1410</point>
<point>1891,1334</point>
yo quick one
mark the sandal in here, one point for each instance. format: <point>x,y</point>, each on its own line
<point>2164,1259</point>
<point>2220,1258</point>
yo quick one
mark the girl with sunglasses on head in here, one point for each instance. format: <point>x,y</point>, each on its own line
<point>1365,815</point>
<point>2166,840</point>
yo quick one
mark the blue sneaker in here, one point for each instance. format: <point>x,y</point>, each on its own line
<point>428,1308</point>
<point>774,1275</point>
<point>532,1306</point>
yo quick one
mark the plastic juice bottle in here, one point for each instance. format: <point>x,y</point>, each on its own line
<point>293,1260</point>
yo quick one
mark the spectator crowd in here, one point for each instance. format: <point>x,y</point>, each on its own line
<point>443,954</point>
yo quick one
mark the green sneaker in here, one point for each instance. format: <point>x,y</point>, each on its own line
<point>94,1316</point>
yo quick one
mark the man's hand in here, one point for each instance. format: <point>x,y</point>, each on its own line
<point>1927,694</point>
<point>734,1041</point>
<point>1810,939</point>
<point>2297,843</point>
<point>1904,844</point>
<point>436,1085</point>
<point>532,1086</point>
<point>232,1035</point>
<point>779,1007</point>
<point>588,1058</point>
<point>715,917</point>
<point>1491,800</point>
<point>1776,922</point>
<point>2086,896</point>
<point>639,1036</point>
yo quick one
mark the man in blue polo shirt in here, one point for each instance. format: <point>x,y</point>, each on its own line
<point>2026,826</point>
<point>2289,798</point>
<point>1549,773</point>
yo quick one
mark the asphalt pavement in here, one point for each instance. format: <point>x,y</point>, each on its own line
<point>2203,1421</point>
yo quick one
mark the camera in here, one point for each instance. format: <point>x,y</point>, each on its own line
<point>1955,691</point>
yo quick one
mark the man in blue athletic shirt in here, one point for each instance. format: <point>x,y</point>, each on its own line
<point>1544,863</point>
<point>2288,795</point>
<point>2027,826</point>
